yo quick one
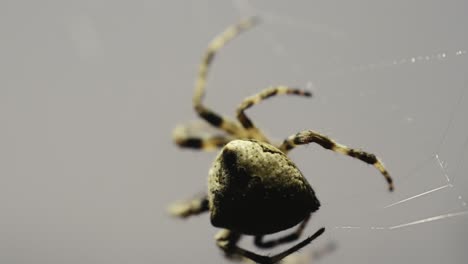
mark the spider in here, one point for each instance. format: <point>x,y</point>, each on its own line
<point>253,187</point>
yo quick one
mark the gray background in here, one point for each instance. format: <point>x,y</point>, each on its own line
<point>91,90</point>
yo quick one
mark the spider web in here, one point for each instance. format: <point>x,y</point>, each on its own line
<point>431,183</point>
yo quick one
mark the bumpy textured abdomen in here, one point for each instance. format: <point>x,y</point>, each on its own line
<point>256,189</point>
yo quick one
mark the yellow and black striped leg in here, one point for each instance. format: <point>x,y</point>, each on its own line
<point>195,136</point>
<point>188,208</point>
<point>253,131</point>
<point>309,136</point>
<point>231,248</point>
<point>216,44</point>
<point>208,144</point>
<point>226,240</point>
<point>284,239</point>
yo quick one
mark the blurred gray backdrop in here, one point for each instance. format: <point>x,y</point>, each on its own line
<point>91,90</point>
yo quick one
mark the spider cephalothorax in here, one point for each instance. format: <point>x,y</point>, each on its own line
<point>253,187</point>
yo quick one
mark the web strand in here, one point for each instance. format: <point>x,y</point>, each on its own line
<point>245,7</point>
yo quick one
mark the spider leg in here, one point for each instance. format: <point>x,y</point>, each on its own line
<point>224,242</point>
<point>225,239</point>
<point>216,44</point>
<point>199,135</point>
<point>186,138</point>
<point>310,136</point>
<point>208,144</point>
<point>185,209</point>
<point>253,131</point>
<point>282,240</point>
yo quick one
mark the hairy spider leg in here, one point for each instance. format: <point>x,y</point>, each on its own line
<point>224,241</point>
<point>251,129</point>
<point>185,140</point>
<point>216,44</point>
<point>284,239</point>
<point>225,238</point>
<point>211,143</point>
<point>309,136</point>
<point>191,207</point>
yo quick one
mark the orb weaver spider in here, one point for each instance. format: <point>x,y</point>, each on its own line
<point>253,187</point>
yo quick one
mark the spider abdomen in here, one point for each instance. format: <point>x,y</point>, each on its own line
<point>255,189</point>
